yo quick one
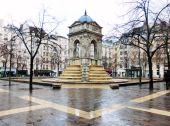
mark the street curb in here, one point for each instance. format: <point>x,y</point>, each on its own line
<point>50,84</point>
<point>26,82</point>
<point>136,83</point>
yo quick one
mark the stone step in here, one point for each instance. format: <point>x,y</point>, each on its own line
<point>95,66</point>
<point>69,77</point>
<point>101,81</point>
<point>71,71</point>
<point>97,69</point>
<point>71,74</point>
<point>69,80</point>
<point>73,68</point>
<point>100,78</point>
<point>97,72</point>
<point>98,75</point>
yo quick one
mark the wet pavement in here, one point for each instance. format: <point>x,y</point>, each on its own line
<point>84,106</point>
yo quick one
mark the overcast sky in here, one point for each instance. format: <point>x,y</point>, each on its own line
<point>105,12</point>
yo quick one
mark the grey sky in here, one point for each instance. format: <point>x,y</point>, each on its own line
<point>105,12</point>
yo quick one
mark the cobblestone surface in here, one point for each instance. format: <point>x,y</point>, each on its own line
<point>83,106</point>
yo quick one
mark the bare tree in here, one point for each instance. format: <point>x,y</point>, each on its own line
<point>165,29</point>
<point>4,51</point>
<point>9,44</point>
<point>33,35</point>
<point>144,26</point>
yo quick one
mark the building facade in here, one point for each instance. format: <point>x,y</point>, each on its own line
<point>130,61</point>
<point>51,57</point>
<point>107,55</point>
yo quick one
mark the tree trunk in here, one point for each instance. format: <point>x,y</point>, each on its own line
<point>150,73</point>
<point>168,62</point>
<point>10,63</point>
<point>31,74</point>
<point>58,69</point>
<point>167,55</point>
<point>17,68</point>
<point>4,74</point>
<point>140,72</point>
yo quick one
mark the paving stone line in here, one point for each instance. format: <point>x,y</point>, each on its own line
<point>66,109</point>
<point>74,111</point>
<point>2,90</point>
<point>84,114</point>
<point>149,97</point>
<point>19,110</point>
<point>151,110</point>
<point>101,112</point>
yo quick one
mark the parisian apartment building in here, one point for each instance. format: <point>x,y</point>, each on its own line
<point>49,61</point>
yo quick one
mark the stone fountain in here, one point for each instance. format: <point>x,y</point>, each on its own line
<point>85,54</point>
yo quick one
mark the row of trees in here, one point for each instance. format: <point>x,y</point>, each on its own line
<point>148,29</point>
<point>11,56</point>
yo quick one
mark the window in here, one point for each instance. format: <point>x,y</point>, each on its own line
<point>126,65</point>
<point>46,67</point>
<point>12,65</point>
<point>121,58</point>
<point>36,66</point>
<point>4,64</point>
<point>125,52</point>
<point>6,39</point>
<point>121,46</point>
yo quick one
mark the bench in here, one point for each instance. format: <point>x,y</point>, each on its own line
<point>114,86</point>
<point>56,86</point>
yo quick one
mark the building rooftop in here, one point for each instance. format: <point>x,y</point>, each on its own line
<point>85,18</point>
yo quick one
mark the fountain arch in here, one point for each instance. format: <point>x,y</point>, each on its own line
<point>93,49</point>
<point>76,52</point>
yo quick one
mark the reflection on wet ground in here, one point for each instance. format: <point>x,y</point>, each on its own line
<point>74,106</point>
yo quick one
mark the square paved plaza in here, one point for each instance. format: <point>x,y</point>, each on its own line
<point>84,105</point>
